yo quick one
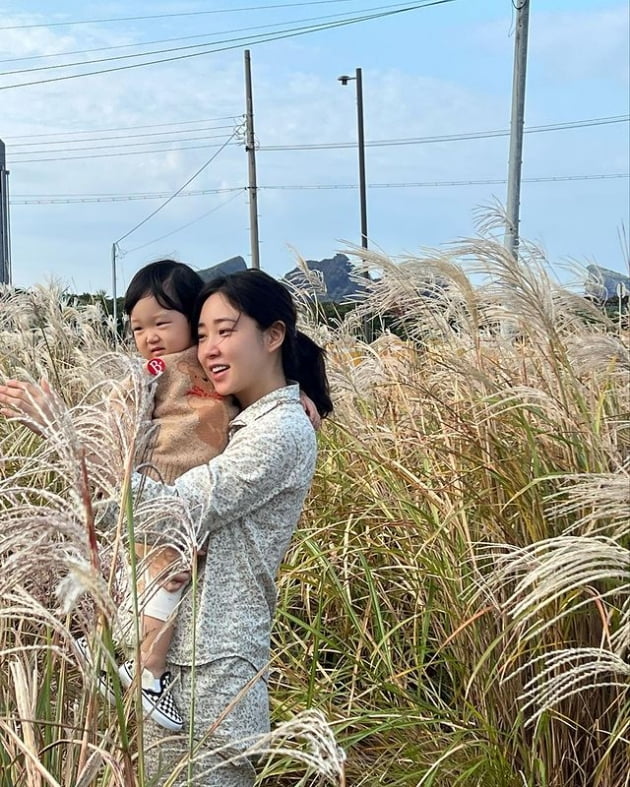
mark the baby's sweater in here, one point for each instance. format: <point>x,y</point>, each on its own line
<point>191,418</point>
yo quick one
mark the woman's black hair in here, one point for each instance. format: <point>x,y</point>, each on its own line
<point>173,285</point>
<point>266,301</point>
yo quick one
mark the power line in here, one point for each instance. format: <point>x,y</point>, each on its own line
<point>125,128</point>
<point>180,189</point>
<point>123,136</point>
<point>124,145</point>
<point>451,137</point>
<point>439,183</point>
<point>168,16</point>
<point>169,40</point>
<point>112,155</point>
<point>85,199</point>
<point>588,122</point>
<point>263,38</point>
<point>188,224</point>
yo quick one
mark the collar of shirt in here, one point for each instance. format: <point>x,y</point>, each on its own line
<point>288,393</point>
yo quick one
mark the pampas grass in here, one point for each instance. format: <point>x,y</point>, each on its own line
<point>456,602</point>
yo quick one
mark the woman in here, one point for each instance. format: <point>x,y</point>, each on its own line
<point>246,503</point>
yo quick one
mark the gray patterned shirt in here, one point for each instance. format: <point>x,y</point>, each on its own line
<point>246,503</point>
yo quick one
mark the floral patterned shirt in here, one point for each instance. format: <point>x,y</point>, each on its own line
<point>245,504</point>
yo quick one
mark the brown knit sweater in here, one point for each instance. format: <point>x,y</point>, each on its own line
<point>192,418</point>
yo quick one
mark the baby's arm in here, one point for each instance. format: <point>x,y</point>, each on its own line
<point>311,411</point>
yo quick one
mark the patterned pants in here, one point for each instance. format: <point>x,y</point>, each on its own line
<point>215,686</point>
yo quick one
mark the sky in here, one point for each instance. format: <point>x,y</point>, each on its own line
<point>85,153</point>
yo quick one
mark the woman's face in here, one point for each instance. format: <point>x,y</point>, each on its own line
<point>158,331</point>
<point>239,358</point>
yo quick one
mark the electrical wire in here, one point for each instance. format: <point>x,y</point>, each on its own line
<point>169,16</point>
<point>124,136</point>
<point>51,199</point>
<point>125,145</point>
<point>180,189</point>
<point>585,123</point>
<point>452,137</point>
<point>188,224</point>
<point>171,40</point>
<point>130,128</point>
<point>44,200</point>
<point>263,38</point>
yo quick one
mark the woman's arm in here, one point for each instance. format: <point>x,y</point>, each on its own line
<point>36,404</point>
<point>260,461</point>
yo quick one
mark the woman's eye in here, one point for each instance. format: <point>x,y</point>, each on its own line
<point>225,331</point>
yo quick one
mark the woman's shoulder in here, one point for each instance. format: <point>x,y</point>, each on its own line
<point>280,418</point>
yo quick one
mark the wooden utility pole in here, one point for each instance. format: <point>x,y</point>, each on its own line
<point>250,147</point>
<point>516,127</point>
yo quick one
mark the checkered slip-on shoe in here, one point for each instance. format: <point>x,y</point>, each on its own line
<point>103,681</point>
<point>157,702</point>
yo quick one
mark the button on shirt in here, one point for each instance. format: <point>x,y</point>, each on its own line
<point>246,503</point>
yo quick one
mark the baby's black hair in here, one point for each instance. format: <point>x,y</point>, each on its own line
<point>174,285</point>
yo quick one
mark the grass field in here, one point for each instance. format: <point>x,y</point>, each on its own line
<point>456,601</point>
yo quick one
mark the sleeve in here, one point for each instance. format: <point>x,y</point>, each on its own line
<point>255,466</point>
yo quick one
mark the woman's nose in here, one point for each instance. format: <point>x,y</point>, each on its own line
<point>209,348</point>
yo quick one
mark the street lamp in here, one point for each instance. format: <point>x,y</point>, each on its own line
<point>344,79</point>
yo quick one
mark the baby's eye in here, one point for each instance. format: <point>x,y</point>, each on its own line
<point>136,329</point>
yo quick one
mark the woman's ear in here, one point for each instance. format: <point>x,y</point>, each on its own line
<point>275,335</point>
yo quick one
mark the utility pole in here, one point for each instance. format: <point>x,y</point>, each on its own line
<point>250,147</point>
<point>5,227</point>
<point>361,144</point>
<point>114,292</point>
<point>516,127</point>
<point>358,77</point>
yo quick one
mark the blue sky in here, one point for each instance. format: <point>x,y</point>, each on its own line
<point>435,71</point>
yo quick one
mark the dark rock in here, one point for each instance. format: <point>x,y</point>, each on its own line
<point>338,286</point>
<point>602,284</point>
<point>233,265</point>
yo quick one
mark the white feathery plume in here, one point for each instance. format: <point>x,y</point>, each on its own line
<point>595,503</point>
<point>539,574</point>
<point>571,671</point>
<point>306,738</point>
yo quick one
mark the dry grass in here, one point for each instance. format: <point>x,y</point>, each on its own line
<point>457,599</point>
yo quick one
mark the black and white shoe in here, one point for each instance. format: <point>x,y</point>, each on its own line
<point>157,701</point>
<point>103,681</point>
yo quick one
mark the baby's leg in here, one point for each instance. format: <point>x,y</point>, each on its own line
<point>158,611</point>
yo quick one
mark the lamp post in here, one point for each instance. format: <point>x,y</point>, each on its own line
<point>344,79</point>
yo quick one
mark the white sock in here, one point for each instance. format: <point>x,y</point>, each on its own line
<point>149,681</point>
<point>161,603</point>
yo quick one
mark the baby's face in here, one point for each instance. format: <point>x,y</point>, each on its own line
<point>158,331</point>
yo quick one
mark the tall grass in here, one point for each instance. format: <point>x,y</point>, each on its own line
<point>457,599</point>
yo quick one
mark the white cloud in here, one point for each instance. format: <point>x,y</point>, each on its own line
<point>293,105</point>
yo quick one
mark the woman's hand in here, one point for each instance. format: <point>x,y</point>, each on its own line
<point>311,411</point>
<point>35,402</point>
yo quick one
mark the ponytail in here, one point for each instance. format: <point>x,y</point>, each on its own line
<point>310,372</point>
